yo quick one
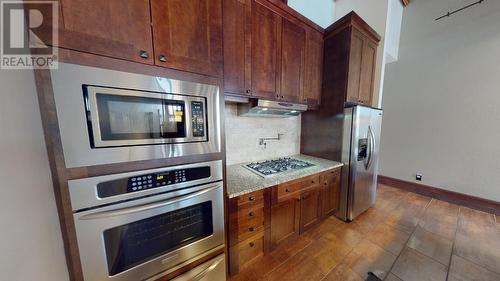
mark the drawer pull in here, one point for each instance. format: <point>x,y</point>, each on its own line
<point>251,229</point>
<point>251,244</point>
<point>251,214</point>
<point>251,198</point>
<point>287,190</point>
<point>143,54</point>
<point>312,181</point>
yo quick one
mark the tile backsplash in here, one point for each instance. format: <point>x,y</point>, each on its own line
<point>243,134</point>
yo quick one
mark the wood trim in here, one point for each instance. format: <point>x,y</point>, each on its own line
<point>53,144</point>
<point>353,20</point>
<point>469,201</point>
<point>281,8</point>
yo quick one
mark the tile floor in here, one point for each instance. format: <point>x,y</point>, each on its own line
<point>405,236</point>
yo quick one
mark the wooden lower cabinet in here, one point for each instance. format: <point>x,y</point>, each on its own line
<point>285,221</point>
<point>330,192</point>
<point>260,221</point>
<point>309,211</point>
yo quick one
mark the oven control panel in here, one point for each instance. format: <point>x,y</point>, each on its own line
<point>149,181</point>
<point>197,119</point>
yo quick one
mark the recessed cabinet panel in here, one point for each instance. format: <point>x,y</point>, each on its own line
<point>237,36</point>
<point>188,35</point>
<point>266,43</point>
<point>92,26</point>
<point>313,69</point>
<point>355,66</point>
<point>292,61</point>
<point>367,73</point>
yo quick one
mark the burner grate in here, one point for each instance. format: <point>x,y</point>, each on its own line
<point>272,167</point>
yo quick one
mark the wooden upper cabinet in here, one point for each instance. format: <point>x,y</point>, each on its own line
<point>355,66</point>
<point>292,61</point>
<point>265,47</point>
<point>114,28</point>
<point>350,60</point>
<point>237,36</point>
<point>187,35</point>
<point>361,69</point>
<point>313,68</point>
<point>367,80</point>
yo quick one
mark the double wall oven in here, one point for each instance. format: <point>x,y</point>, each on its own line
<point>141,225</point>
<point>133,226</point>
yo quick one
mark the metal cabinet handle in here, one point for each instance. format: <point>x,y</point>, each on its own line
<point>143,54</point>
<point>282,97</point>
<point>251,214</point>
<point>251,198</point>
<point>312,181</point>
<point>251,244</point>
<point>247,91</point>
<point>287,190</point>
<point>251,229</point>
<point>163,58</point>
<point>142,208</point>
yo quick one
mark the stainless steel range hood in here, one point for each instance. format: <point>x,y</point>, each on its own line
<point>265,108</point>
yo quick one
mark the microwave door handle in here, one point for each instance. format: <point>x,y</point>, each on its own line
<point>206,271</point>
<point>141,208</point>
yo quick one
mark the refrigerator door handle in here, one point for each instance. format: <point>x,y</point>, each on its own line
<point>371,147</point>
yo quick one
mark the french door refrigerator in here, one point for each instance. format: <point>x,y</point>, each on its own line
<point>360,152</point>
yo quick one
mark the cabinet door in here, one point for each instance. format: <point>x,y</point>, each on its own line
<point>114,28</point>
<point>313,69</point>
<point>285,218</point>
<point>355,65</point>
<point>187,35</point>
<point>237,36</point>
<point>367,78</point>
<point>309,209</point>
<point>330,194</point>
<point>292,61</point>
<point>266,45</point>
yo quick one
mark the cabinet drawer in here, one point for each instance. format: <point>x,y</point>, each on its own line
<point>287,190</point>
<point>250,249</point>
<point>249,228</point>
<point>248,214</point>
<point>256,197</point>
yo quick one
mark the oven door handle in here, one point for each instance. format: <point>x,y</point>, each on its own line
<point>206,271</point>
<point>141,208</point>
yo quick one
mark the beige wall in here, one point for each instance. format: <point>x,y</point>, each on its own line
<point>31,246</point>
<point>442,100</point>
<point>243,133</point>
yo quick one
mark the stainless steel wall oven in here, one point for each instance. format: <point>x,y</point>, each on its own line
<point>132,226</point>
<point>108,116</point>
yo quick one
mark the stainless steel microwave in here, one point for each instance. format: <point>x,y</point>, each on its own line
<point>108,116</point>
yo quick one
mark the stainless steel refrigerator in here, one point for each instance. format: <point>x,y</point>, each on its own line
<point>360,153</point>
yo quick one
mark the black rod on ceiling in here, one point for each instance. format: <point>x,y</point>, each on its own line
<point>461,9</point>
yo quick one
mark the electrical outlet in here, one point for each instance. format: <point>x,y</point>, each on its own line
<point>418,177</point>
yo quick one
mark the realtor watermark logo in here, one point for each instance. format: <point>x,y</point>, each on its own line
<point>28,32</point>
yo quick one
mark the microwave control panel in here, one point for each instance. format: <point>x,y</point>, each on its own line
<point>197,119</point>
<point>149,181</point>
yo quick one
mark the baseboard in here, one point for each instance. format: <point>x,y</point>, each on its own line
<point>472,202</point>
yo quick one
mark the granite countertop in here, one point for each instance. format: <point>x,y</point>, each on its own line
<point>241,181</point>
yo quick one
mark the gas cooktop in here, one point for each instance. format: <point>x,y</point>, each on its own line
<point>272,167</point>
